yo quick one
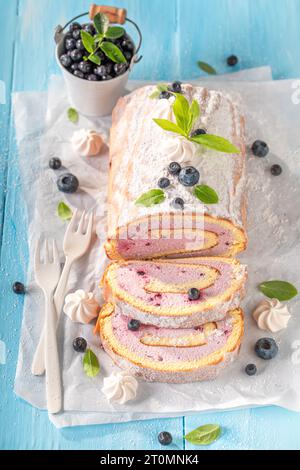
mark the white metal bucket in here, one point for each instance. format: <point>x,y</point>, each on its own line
<point>88,97</point>
<point>92,98</point>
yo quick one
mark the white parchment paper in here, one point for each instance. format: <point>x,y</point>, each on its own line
<point>43,131</point>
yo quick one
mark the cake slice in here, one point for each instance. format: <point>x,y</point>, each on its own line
<point>157,292</point>
<point>140,154</point>
<point>171,355</point>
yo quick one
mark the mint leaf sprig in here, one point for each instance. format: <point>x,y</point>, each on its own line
<point>204,435</point>
<point>186,115</point>
<point>206,67</point>
<point>64,211</point>
<point>73,115</point>
<point>100,41</point>
<point>151,198</point>
<point>280,290</point>
<point>91,364</point>
<point>206,194</point>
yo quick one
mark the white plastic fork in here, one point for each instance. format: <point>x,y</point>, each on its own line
<point>47,275</point>
<point>76,244</point>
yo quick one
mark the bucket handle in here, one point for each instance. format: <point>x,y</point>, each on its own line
<point>114,14</point>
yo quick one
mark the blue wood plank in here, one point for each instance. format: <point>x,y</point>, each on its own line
<point>30,428</point>
<point>255,429</point>
<point>176,34</point>
<point>7,26</point>
<point>259,32</point>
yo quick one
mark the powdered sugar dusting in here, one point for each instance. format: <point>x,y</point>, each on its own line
<point>150,149</point>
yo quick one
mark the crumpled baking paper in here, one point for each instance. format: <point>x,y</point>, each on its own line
<point>44,131</point>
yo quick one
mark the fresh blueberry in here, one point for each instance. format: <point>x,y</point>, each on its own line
<point>67,183</point>
<point>232,60</point>
<point>276,170</point>
<point>260,148</point>
<point>174,168</point>
<point>76,55</point>
<point>76,34</point>
<point>130,43</point>
<point>74,67</point>
<point>198,132</point>
<point>79,345</point>
<point>118,42</point>
<point>65,60</point>
<point>165,95</point>
<point>100,70</point>
<point>251,369</point>
<point>178,203</point>
<point>92,77</point>
<point>106,77</point>
<point>119,69</point>
<point>18,288</point>
<point>79,45</point>
<point>74,26</point>
<point>165,438</point>
<point>89,28</point>
<point>85,66</point>
<point>266,348</point>
<point>176,87</point>
<point>101,56</point>
<point>70,44</point>
<point>109,68</point>
<point>126,45</point>
<point>194,294</point>
<point>163,183</point>
<point>133,325</point>
<point>55,163</point>
<point>189,176</point>
<point>128,56</point>
<point>78,74</point>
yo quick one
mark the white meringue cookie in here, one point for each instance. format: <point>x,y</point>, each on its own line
<point>87,142</point>
<point>271,315</point>
<point>120,387</point>
<point>81,307</point>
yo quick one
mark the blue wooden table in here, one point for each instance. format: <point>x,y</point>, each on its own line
<point>176,34</point>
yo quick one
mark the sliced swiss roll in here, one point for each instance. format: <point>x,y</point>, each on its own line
<point>171,355</point>
<point>188,235</point>
<point>179,293</point>
<point>169,194</point>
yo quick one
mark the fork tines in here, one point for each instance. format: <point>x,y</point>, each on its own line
<point>47,258</point>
